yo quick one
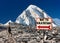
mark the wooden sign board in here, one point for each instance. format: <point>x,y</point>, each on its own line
<point>43,23</point>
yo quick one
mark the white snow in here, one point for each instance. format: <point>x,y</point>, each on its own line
<point>57,21</point>
<point>8,22</point>
<point>29,15</point>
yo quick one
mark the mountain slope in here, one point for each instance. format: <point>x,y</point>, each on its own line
<point>7,23</point>
<point>57,21</point>
<point>29,15</point>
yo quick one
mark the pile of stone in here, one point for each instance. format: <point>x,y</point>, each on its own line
<point>27,34</point>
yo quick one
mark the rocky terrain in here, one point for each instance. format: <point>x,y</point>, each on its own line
<point>26,34</point>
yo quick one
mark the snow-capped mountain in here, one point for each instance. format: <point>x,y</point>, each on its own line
<point>57,21</point>
<point>28,16</point>
<point>7,23</point>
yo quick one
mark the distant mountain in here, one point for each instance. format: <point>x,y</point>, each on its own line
<point>57,21</point>
<point>7,23</point>
<point>28,16</point>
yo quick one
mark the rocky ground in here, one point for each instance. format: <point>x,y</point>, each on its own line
<point>28,34</point>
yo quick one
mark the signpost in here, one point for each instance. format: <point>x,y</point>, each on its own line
<point>43,23</point>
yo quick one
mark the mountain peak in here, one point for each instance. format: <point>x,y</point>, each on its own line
<point>28,16</point>
<point>31,6</point>
<point>7,23</point>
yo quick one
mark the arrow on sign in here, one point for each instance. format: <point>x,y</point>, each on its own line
<point>44,27</point>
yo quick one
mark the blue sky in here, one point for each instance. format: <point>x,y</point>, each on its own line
<point>11,9</point>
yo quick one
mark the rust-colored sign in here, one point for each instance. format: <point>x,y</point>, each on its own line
<point>43,23</point>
